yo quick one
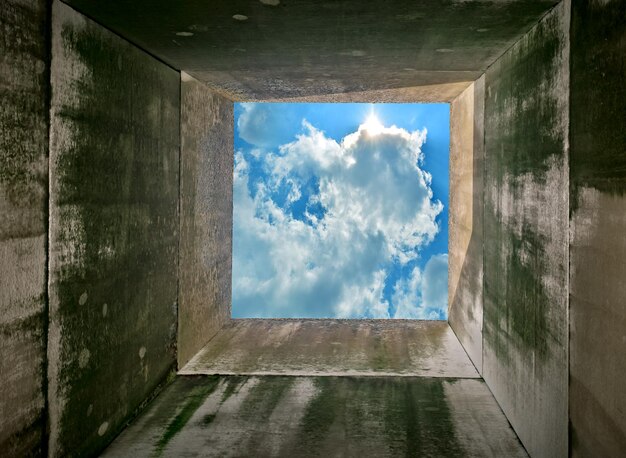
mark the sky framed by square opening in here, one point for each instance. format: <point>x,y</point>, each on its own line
<point>340,210</point>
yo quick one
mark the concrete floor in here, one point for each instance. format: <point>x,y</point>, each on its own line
<point>334,347</point>
<point>202,416</point>
<point>324,388</point>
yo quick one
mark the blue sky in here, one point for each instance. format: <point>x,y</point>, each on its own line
<point>340,210</point>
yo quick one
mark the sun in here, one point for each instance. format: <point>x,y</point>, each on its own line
<point>372,125</point>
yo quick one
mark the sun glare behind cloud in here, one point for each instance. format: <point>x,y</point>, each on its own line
<point>372,125</point>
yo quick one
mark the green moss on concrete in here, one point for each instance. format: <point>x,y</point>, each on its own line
<point>324,416</point>
<point>115,198</point>
<point>208,419</point>
<point>412,414</point>
<point>522,107</point>
<point>320,414</point>
<point>265,396</point>
<point>379,357</point>
<point>517,304</point>
<point>24,108</point>
<point>525,136</point>
<point>525,329</point>
<point>233,384</point>
<point>192,402</point>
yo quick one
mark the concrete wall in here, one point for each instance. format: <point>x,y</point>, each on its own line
<point>206,211</point>
<point>114,163</point>
<point>525,330</point>
<point>598,228</point>
<point>465,244</point>
<point>23,224</point>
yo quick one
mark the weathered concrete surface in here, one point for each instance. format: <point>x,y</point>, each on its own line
<point>114,152</point>
<point>290,48</point>
<point>432,93</point>
<point>320,416</point>
<point>334,347</point>
<point>24,73</point>
<point>465,243</point>
<point>598,228</point>
<point>525,330</point>
<point>206,216</point>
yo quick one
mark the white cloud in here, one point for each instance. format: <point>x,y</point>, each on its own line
<point>424,295</point>
<point>378,207</point>
<point>435,283</point>
<point>265,125</point>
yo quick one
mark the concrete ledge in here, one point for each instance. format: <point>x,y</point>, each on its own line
<point>332,348</point>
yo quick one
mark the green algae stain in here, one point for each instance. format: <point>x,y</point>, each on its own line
<point>23,110</point>
<point>320,412</point>
<point>265,396</point>
<point>524,106</point>
<point>233,383</point>
<point>516,301</point>
<point>411,415</point>
<point>417,419</point>
<point>525,136</point>
<point>208,419</point>
<point>192,402</point>
<point>232,386</point>
<point>379,357</point>
<point>114,186</point>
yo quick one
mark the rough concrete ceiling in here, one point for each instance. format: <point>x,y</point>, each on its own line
<point>251,49</point>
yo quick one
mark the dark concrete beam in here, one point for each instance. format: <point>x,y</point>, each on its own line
<point>291,48</point>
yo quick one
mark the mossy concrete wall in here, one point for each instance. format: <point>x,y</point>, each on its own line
<point>465,244</point>
<point>24,67</point>
<point>114,163</point>
<point>525,328</point>
<point>206,215</point>
<point>598,228</point>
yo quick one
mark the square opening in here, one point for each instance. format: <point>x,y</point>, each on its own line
<point>340,210</point>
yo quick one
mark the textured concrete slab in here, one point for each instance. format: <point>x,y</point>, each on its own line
<point>334,347</point>
<point>114,155</point>
<point>24,72</point>
<point>206,216</point>
<point>416,94</point>
<point>290,48</point>
<point>525,330</point>
<point>205,416</point>
<point>465,242</point>
<point>597,229</point>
